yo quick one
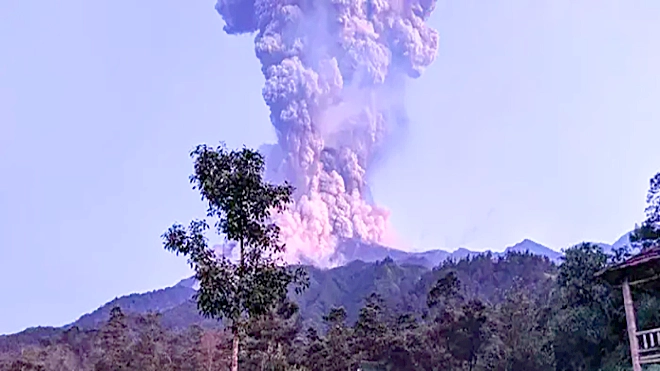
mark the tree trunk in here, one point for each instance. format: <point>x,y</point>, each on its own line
<point>234,352</point>
<point>235,328</point>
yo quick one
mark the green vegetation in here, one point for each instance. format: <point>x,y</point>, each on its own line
<point>518,312</point>
<point>242,202</point>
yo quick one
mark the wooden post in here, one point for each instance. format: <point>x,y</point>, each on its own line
<point>631,324</point>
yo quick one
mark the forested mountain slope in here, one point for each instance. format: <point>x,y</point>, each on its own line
<point>514,312</point>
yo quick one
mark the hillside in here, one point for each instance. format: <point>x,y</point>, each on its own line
<point>404,286</point>
<point>346,285</point>
<point>521,307</point>
<point>371,268</point>
<point>179,311</point>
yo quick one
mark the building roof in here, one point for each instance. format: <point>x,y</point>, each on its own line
<point>639,267</point>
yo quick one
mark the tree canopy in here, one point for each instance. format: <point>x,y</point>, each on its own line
<point>516,312</point>
<point>242,204</point>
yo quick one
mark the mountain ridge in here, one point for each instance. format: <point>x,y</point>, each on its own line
<point>178,297</point>
<point>355,250</point>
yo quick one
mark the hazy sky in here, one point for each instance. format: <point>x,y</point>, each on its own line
<point>538,120</point>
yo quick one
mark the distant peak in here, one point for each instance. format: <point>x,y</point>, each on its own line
<point>524,242</point>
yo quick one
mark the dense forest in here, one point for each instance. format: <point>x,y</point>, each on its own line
<point>518,312</point>
<point>512,312</point>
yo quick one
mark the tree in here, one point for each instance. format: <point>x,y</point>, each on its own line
<point>115,344</point>
<point>443,301</point>
<point>339,354</point>
<point>383,340</point>
<point>588,316</point>
<point>471,333</point>
<point>446,291</point>
<point>243,204</point>
<point>524,333</point>
<point>272,339</point>
<point>150,351</point>
<point>185,349</point>
<point>648,233</point>
<point>371,328</point>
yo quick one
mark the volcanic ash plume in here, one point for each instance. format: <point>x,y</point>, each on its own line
<point>334,74</point>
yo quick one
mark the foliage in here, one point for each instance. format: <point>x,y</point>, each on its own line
<point>648,233</point>
<point>518,312</point>
<point>232,184</point>
<point>523,326</point>
<point>587,313</point>
<point>576,324</point>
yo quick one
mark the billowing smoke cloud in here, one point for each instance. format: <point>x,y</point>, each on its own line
<point>335,71</point>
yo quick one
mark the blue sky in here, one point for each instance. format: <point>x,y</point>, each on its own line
<point>538,120</point>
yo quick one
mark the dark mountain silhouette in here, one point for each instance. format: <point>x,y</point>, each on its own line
<point>351,250</point>
<point>402,286</point>
<point>402,277</point>
<point>534,248</point>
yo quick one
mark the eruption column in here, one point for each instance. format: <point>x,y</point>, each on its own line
<point>334,74</point>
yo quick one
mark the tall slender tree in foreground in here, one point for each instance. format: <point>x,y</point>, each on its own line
<point>242,205</point>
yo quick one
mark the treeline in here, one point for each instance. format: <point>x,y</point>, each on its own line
<point>515,313</point>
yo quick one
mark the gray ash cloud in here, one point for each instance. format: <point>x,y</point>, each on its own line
<point>334,73</point>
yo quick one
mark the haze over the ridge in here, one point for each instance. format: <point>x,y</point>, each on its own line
<point>535,121</point>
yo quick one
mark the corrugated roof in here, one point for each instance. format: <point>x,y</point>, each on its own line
<point>644,257</point>
<point>637,267</point>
